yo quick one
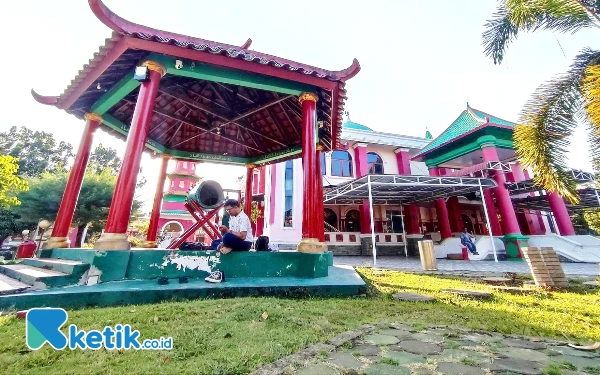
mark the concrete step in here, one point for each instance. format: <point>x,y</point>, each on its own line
<point>11,286</point>
<point>71,267</point>
<point>38,278</point>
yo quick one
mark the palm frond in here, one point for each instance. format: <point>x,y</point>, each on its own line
<point>548,120</point>
<point>513,16</point>
<point>591,96</point>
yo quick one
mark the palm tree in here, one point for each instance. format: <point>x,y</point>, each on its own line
<point>550,116</point>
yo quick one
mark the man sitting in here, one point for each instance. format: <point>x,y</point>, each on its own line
<point>238,237</point>
<point>466,239</point>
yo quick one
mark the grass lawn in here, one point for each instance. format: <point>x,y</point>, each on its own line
<point>229,336</point>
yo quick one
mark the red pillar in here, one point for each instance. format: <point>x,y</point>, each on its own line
<point>360,159</point>
<point>320,218</point>
<point>513,239</point>
<point>414,219</point>
<point>561,215</point>
<point>403,160</point>
<point>362,169</point>
<point>158,195</point>
<point>310,232</point>
<point>114,236</point>
<point>248,192</point>
<point>538,220</point>
<point>492,213</point>
<point>73,187</point>
<point>441,210</point>
<point>507,211</point>
<point>456,222</point>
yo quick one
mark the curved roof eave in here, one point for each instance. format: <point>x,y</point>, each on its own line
<point>125,27</point>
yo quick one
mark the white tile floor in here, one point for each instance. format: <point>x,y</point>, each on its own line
<point>573,269</point>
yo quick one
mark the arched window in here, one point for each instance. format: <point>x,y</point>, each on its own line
<point>331,219</point>
<point>375,163</point>
<point>341,164</point>
<point>323,166</point>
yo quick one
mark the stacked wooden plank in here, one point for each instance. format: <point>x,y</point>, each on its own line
<point>545,267</point>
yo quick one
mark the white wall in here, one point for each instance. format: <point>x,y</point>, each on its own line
<point>277,232</point>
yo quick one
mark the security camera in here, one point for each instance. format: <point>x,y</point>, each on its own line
<point>178,64</point>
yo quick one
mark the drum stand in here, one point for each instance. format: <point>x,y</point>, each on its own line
<point>202,221</point>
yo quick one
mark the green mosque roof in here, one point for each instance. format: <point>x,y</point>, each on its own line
<point>354,126</point>
<point>468,120</point>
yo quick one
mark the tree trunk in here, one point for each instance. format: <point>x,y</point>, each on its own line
<point>78,239</point>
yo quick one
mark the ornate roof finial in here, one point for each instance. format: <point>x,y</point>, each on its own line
<point>468,106</point>
<point>428,133</point>
<point>347,115</point>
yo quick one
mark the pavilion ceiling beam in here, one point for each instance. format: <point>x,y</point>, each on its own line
<point>287,116</point>
<point>234,93</point>
<point>217,93</point>
<point>203,108</point>
<point>197,126</point>
<point>223,117</point>
<point>174,134</point>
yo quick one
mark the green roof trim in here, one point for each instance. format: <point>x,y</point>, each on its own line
<point>355,126</point>
<point>469,120</point>
<point>175,212</point>
<point>173,198</point>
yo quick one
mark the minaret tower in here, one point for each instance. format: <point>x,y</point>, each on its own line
<point>173,215</point>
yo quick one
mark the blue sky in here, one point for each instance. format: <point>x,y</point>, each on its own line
<point>421,60</point>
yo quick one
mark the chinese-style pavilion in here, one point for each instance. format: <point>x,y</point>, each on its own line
<point>195,99</point>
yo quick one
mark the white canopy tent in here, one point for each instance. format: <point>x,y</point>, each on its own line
<point>397,189</point>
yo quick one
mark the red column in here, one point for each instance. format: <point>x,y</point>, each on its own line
<point>414,219</point>
<point>538,220</point>
<point>456,222</point>
<point>114,236</point>
<point>492,213</point>
<point>360,160</point>
<point>362,169</point>
<point>248,192</point>
<point>158,195</point>
<point>507,211</point>
<point>561,215</point>
<point>442,211</point>
<point>320,218</point>
<point>403,160</point>
<point>69,199</point>
<point>310,231</point>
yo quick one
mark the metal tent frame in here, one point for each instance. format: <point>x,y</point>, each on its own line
<point>397,189</point>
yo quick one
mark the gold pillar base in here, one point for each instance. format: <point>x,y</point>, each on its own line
<point>311,245</point>
<point>149,244</point>
<point>56,243</point>
<point>113,241</point>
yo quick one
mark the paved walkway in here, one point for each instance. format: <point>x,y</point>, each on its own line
<point>397,348</point>
<point>414,264</point>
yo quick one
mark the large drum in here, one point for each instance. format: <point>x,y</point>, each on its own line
<point>208,195</point>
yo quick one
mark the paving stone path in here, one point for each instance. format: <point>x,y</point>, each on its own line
<point>397,348</point>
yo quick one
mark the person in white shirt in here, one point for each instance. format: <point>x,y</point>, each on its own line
<point>238,237</point>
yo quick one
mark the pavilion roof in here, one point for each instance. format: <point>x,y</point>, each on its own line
<point>469,121</point>
<point>131,44</point>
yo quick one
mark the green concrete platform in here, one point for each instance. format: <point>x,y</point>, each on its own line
<point>135,264</point>
<point>340,281</point>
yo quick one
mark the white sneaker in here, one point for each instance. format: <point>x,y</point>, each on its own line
<point>215,277</point>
